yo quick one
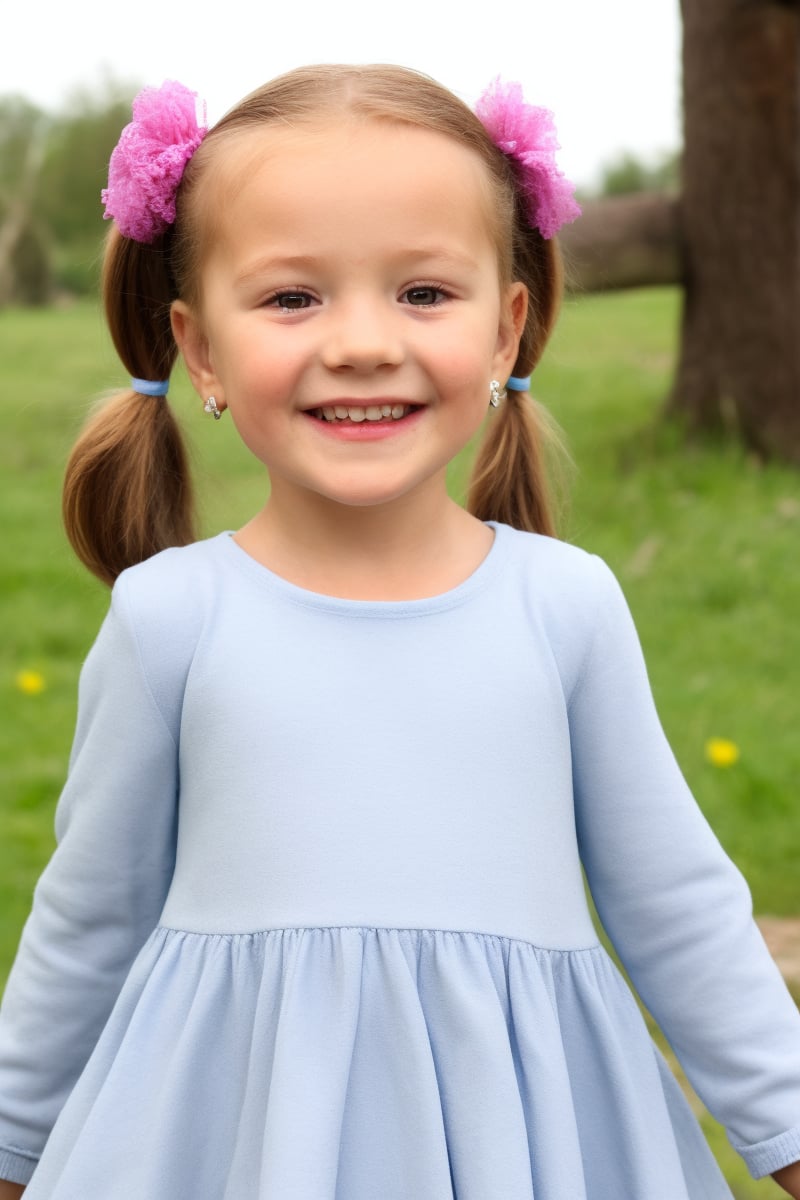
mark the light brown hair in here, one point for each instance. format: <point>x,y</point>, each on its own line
<point>127,491</point>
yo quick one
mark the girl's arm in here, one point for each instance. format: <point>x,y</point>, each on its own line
<point>10,1191</point>
<point>788,1178</point>
<point>675,907</point>
<point>100,896</point>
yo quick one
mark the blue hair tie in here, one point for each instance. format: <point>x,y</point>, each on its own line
<point>149,387</point>
<point>518,384</point>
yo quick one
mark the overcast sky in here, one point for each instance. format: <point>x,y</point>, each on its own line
<point>610,72</point>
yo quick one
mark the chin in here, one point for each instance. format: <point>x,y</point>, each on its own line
<point>367,497</point>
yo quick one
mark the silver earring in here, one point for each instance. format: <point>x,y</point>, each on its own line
<point>210,406</point>
<point>496,393</point>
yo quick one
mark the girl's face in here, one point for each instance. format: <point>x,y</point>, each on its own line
<point>352,276</point>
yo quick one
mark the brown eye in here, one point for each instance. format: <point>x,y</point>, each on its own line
<point>423,296</point>
<point>290,301</point>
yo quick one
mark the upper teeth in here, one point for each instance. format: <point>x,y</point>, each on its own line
<point>373,412</point>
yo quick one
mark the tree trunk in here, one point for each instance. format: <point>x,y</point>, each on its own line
<point>740,355</point>
<point>624,241</point>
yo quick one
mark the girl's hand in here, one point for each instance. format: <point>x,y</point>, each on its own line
<point>787,1177</point>
<point>10,1191</point>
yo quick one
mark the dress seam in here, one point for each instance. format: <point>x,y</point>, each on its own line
<point>498,937</point>
<point>126,603</point>
<point>601,619</point>
<point>20,1152</point>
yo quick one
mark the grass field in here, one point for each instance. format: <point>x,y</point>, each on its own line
<point>704,541</point>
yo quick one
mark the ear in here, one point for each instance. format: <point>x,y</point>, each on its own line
<point>187,329</point>
<point>513,311</point>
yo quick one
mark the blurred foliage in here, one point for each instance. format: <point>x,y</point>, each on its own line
<point>52,169</point>
<point>76,167</point>
<point>627,173</point>
<point>21,123</point>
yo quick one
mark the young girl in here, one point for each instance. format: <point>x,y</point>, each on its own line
<point>316,926</point>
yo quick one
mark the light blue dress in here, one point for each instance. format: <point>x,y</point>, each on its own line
<point>316,926</point>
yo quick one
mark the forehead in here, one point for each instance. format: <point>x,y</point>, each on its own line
<point>373,181</point>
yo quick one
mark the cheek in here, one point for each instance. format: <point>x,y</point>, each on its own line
<point>464,393</point>
<point>465,361</point>
<point>466,387</point>
<point>256,364</point>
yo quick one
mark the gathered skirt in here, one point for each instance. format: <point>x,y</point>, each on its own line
<point>361,1063</point>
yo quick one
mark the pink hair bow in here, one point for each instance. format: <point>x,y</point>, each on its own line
<point>527,135</point>
<point>148,162</point>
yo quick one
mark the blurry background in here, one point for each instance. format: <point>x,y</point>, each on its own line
<point>591,64</point>
<point>674,371</point>
<point>61,112</point>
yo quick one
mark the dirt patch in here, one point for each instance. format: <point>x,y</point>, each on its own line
<point>782,935</point>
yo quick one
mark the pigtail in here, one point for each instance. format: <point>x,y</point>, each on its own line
<point>127,487</point>
<point>511,479</point>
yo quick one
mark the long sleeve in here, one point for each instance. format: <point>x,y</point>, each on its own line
<point>100,896</point>
<point>675,907</point>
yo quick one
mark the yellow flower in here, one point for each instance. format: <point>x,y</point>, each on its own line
<point>721,753</point>
<point>30,683</point>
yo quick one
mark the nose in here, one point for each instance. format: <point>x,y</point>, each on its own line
<point>362,334</point>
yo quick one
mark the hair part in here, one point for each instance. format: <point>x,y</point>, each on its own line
<point>127,491</point>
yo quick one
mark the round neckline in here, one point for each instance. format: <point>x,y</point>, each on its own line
<point>296,594</point>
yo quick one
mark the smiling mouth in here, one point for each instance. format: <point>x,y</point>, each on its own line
<point>354,414</point>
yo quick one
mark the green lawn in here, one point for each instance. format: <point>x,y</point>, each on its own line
<point>704,541</point>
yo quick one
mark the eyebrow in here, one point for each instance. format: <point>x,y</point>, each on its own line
<point>440,254</point>
<point>270,262</point>
<point>307,261</point>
